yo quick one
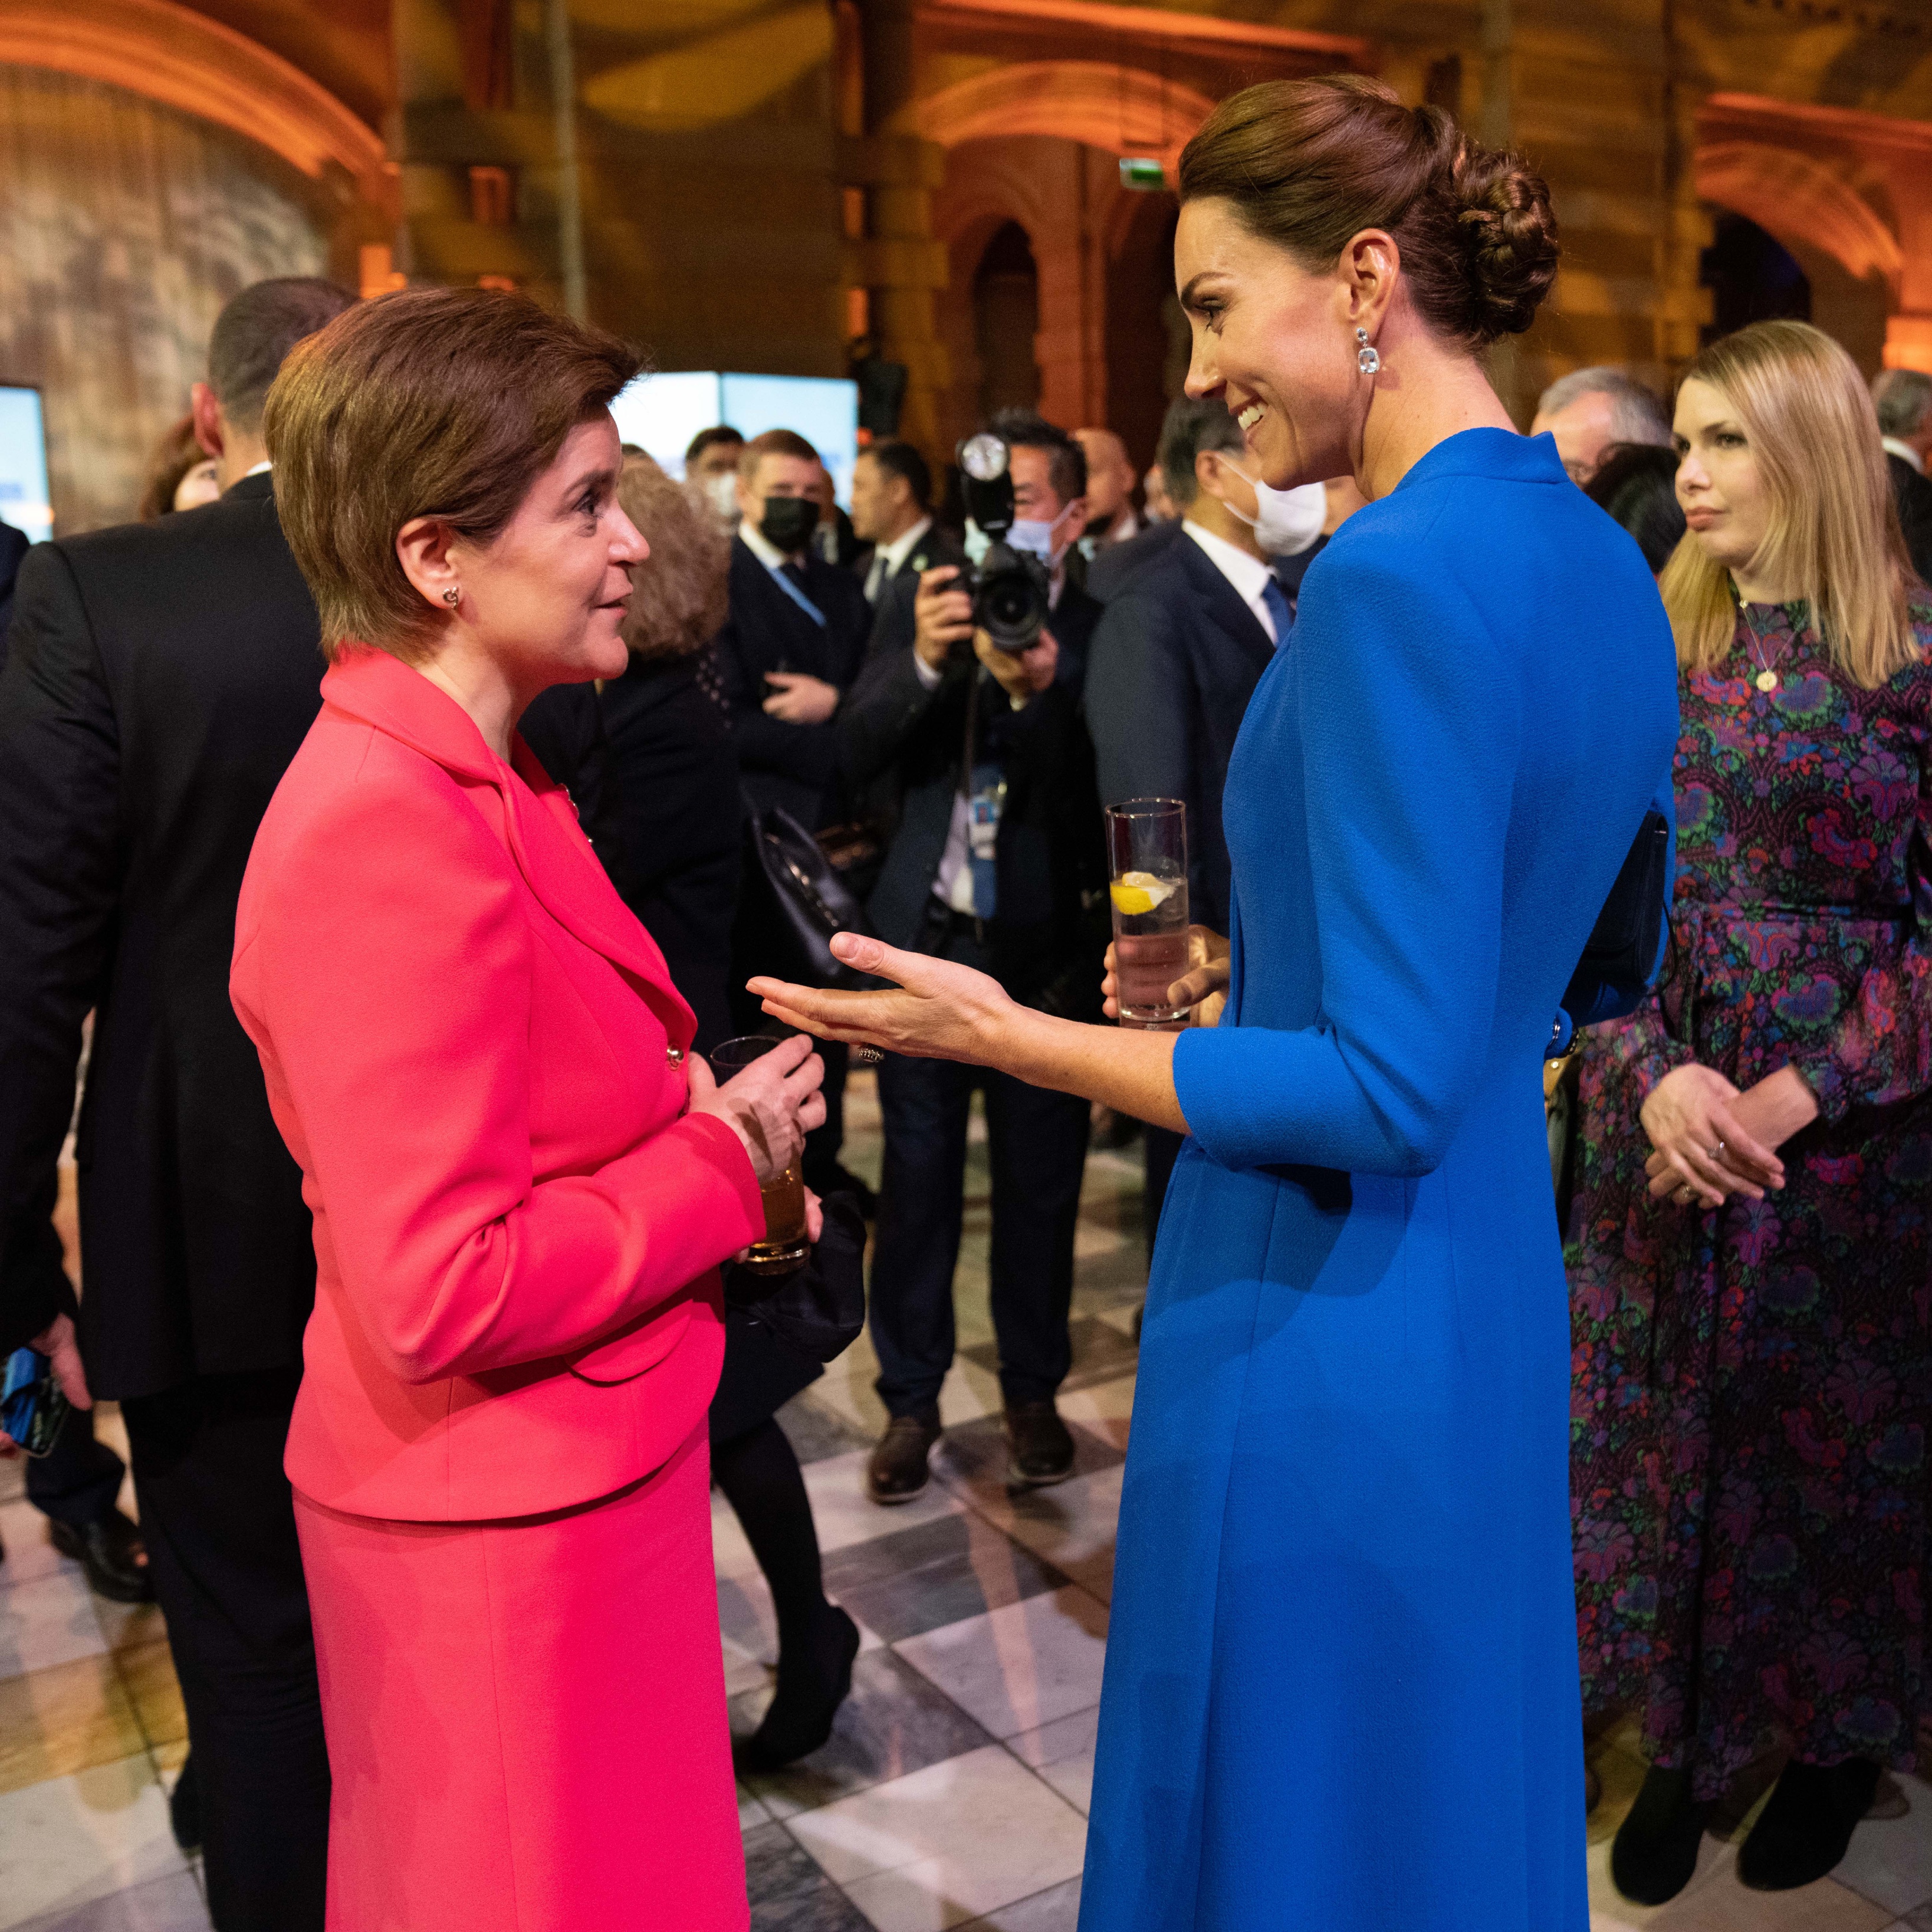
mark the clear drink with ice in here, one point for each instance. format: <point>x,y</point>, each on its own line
<point>1147,842</point>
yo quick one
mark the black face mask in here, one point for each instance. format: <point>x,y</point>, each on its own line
<point>788,522</point>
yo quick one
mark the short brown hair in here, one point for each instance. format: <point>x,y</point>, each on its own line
<point>773,443</point>
<point>679,596</point>
<point>446,403</point>
<point>255,332</point>
<point>1308,163</point>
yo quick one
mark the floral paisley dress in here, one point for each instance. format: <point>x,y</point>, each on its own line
<point>1753,1387</point>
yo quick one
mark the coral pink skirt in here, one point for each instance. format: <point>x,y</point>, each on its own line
<point>525,1720</point>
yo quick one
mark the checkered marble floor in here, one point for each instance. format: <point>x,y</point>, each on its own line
<point>954,1791</point>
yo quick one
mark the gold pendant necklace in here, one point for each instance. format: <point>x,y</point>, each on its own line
<point>1766,680</point>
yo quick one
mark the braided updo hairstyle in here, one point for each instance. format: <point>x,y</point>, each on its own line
<point>1307,163</point>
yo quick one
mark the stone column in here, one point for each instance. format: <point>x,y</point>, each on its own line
<point>897,262</point>
<point>1071,347</point>
<point>1604,116</point>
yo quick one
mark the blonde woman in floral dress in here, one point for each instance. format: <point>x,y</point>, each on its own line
<point>1750,1272</point>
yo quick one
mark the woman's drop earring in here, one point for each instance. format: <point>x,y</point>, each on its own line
<point>1366,360</point>
<point>453,595</point>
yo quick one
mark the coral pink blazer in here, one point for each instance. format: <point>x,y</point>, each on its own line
<point>475,1053</point>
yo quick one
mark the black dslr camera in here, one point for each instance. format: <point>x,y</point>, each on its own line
<point>1009,587</point>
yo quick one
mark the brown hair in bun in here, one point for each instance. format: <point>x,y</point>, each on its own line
<point>1307,163</point>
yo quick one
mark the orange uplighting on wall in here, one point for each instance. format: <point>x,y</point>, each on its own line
<point>377,274</point>
<point>492,197</point>
<point>506,282</point>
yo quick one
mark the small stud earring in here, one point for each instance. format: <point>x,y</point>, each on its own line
<point>453,595</point>
<point>1366,360</point>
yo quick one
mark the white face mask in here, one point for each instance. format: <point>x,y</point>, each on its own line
<point>723,491</point>
<point>1286,521</point>
<point>1030,534</point>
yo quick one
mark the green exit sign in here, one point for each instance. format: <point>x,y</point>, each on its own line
<point>1138,171</point>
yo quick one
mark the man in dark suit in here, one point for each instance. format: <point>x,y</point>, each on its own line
<point>160,678</point>
<point>1117,566</point>
<point>794,640</point>
<point>796,635</point>
<point>13,549</point>
<point>1903,398</point>
<point>891,510</point>
<point>996,862</point>
<point>1176,657</point>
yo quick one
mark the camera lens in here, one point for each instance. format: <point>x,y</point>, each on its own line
<point>1008,603</point>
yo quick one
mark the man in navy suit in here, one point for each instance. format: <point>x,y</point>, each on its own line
<point>794,640</point>
<point>1177,655</point>
<point>796,635</point>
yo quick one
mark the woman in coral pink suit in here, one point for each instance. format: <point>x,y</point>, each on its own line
<point>522,1187</point>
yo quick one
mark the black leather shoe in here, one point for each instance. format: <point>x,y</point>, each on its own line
<point>897,1471</point>
<point>814,1678</point>
<point>1039,1451</point>
<point>1655,1851</point>
<point>1806,1827</point>
<point>184,1808</point>
<point>109,1551</point>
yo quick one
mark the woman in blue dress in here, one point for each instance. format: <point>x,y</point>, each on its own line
<point>1341,1689</point>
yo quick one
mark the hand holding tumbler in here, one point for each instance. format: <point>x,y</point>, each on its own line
<point>785,1248</point>
<point>1147,846</point>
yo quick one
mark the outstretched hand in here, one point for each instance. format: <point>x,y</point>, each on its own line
<point>939,1010</point>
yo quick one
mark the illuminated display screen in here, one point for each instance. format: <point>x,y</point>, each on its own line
<point>662,413</point>
<point>23,463</point>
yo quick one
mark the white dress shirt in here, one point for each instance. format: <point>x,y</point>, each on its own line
<point>1893,447</point>
<point>1248,575</point>
<point>888,558</point>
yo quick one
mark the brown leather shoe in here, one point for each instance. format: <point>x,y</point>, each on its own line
<point>897,1471</point>
<point>1039,1451</point>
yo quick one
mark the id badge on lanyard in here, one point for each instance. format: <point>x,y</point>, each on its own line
<point>987,800</point>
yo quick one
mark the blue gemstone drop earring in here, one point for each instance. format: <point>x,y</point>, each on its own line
<point>1366,360</point>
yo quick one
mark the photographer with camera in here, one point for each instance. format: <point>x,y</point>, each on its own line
<point>996,862</point>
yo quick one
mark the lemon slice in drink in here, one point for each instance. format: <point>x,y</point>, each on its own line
<point>1135,893</point>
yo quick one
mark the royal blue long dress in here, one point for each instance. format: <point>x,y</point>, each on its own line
<point>1341,1690</point>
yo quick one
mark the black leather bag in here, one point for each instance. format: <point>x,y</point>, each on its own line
<point>808,899</point>
<point>819,1309</point>
<point>1625,952</point>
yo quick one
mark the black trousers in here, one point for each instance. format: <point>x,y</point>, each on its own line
<point>1037,1143</point>
<point>77,1482</point>
<point>819,1166</point>
<point>219,1527</point>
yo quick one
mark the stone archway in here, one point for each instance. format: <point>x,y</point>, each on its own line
<point>1789,194</point>
<point>185,61</point>
<point>1849,189</point>
<point>1123,110</point>
<point>1035,143</point>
